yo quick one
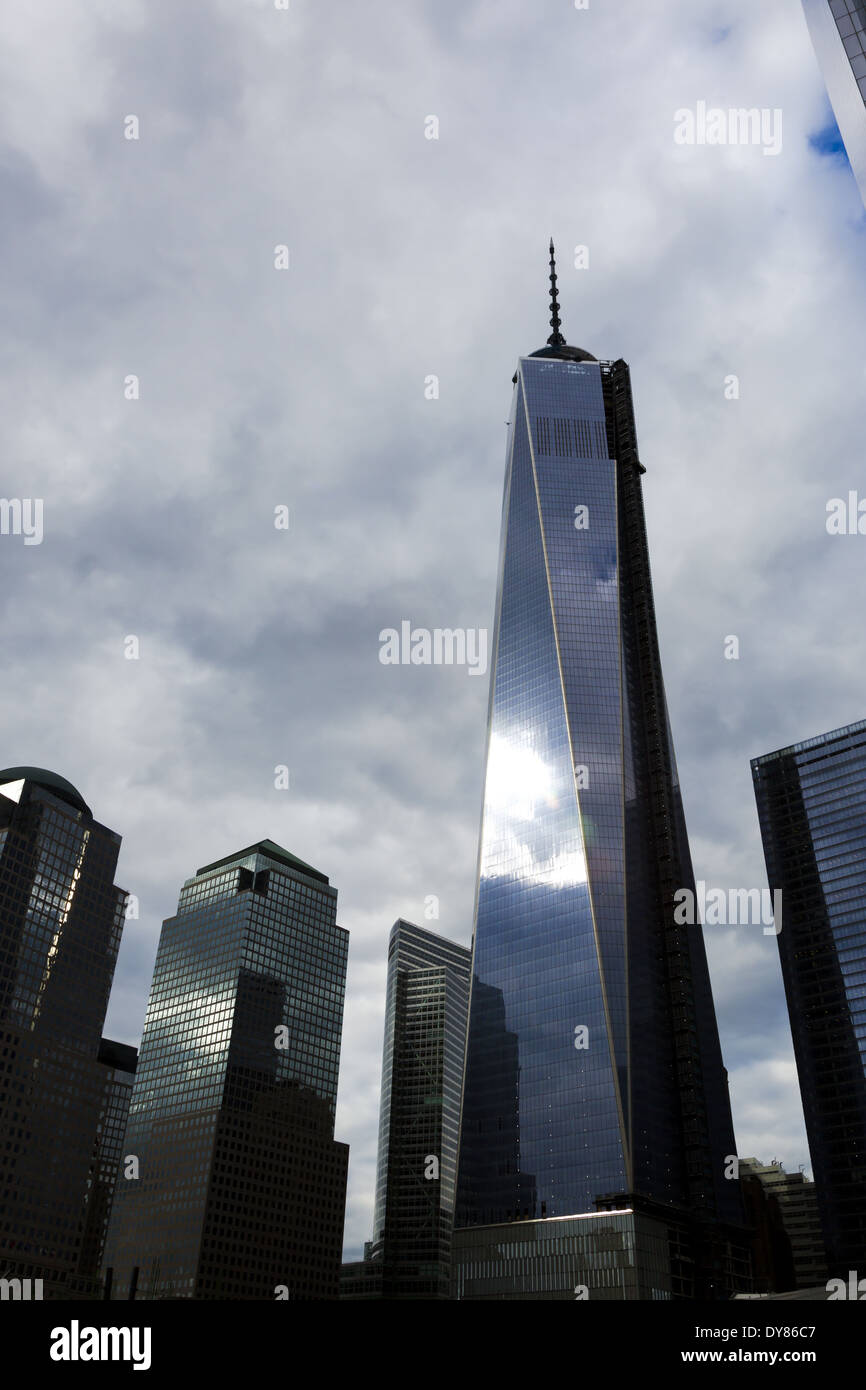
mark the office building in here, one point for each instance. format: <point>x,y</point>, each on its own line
<point>361,1279</point>
<point>772,1258</point>
<point>419,1115</point>
<point>118,1063</point>
<point>812,809</point>
<point>797,1200</point>
<point>61,918</point>
<point>594,1077</point>
<point>238,1190</point>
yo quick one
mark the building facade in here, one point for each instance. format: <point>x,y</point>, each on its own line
<point>594,1077</point>
<point>61,919</point>
<point>838,32</point>
<point>812,809</point>
<point>772,1257</point>
<point>118,1062</point>
<point>797,1199</point>
<point>623,1255</point>
<point>238,1187</point>
<point>362,1279</point>
<point>422,1074</point>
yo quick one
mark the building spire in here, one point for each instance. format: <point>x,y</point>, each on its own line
<point>556,339</point>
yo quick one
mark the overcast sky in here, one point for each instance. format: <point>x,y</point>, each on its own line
<point>305,387</point>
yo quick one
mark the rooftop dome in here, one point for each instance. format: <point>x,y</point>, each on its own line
<point>565,352</point>
<point>50,781</point>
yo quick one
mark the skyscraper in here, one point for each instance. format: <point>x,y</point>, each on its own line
<point>61,918</point>
<point>594,1078</point>
<point>419,1114</point>
<point>812,809</point>
<point>118,1063</point>
<point>238,1187</point>
<point>838,32</point>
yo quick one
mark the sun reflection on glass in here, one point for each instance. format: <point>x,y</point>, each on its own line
<point>520,788</point>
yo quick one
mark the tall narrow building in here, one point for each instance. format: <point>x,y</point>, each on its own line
<point>596,1126</point>
<point>234,1186</point>
<point>61,918</point>
<point>419,1115</point>
<point>812,809</point>
<point>118,1062</point>
<point>838,32</point>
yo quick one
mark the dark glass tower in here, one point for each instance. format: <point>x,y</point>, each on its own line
<point>838,32</point>
<point>422,1073</point>
<point>118,1063</point>
<point>812,809</point>
<point>241,1187</point>
<point>594,1077</point>
<point>61,918</point>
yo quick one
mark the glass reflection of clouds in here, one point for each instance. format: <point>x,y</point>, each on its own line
<point>520,788</point>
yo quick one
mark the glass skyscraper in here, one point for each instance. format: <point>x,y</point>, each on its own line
<point>62,1103</point>
<point>838,32</point>
<point>238,1189</point>
<point>118,1062</point>
<point>812,809</point>
<point>594,1078</point>
<point>419,1115</point>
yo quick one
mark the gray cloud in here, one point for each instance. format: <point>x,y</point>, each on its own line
<point>306,387</point>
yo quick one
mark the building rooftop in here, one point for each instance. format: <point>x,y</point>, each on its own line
<point>50,781</point>
<point>834,736</point>
<point>270,851</point>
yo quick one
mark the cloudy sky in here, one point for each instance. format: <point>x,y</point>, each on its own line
<point>305,387</point>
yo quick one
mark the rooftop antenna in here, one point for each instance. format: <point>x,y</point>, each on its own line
<point>556,339</point>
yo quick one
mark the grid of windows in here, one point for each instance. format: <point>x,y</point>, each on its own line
<point>850,17</point>
<point>569,438</point>
<point>117,1063</point>
<point>241,1185</point>
<point>812,809</point>
<point>619,1256</point>
<point>541,1117</point>
<point>422,1074</point>
<point>593,1064</point>
<point>61,918</point>
<point>798,1204</point>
